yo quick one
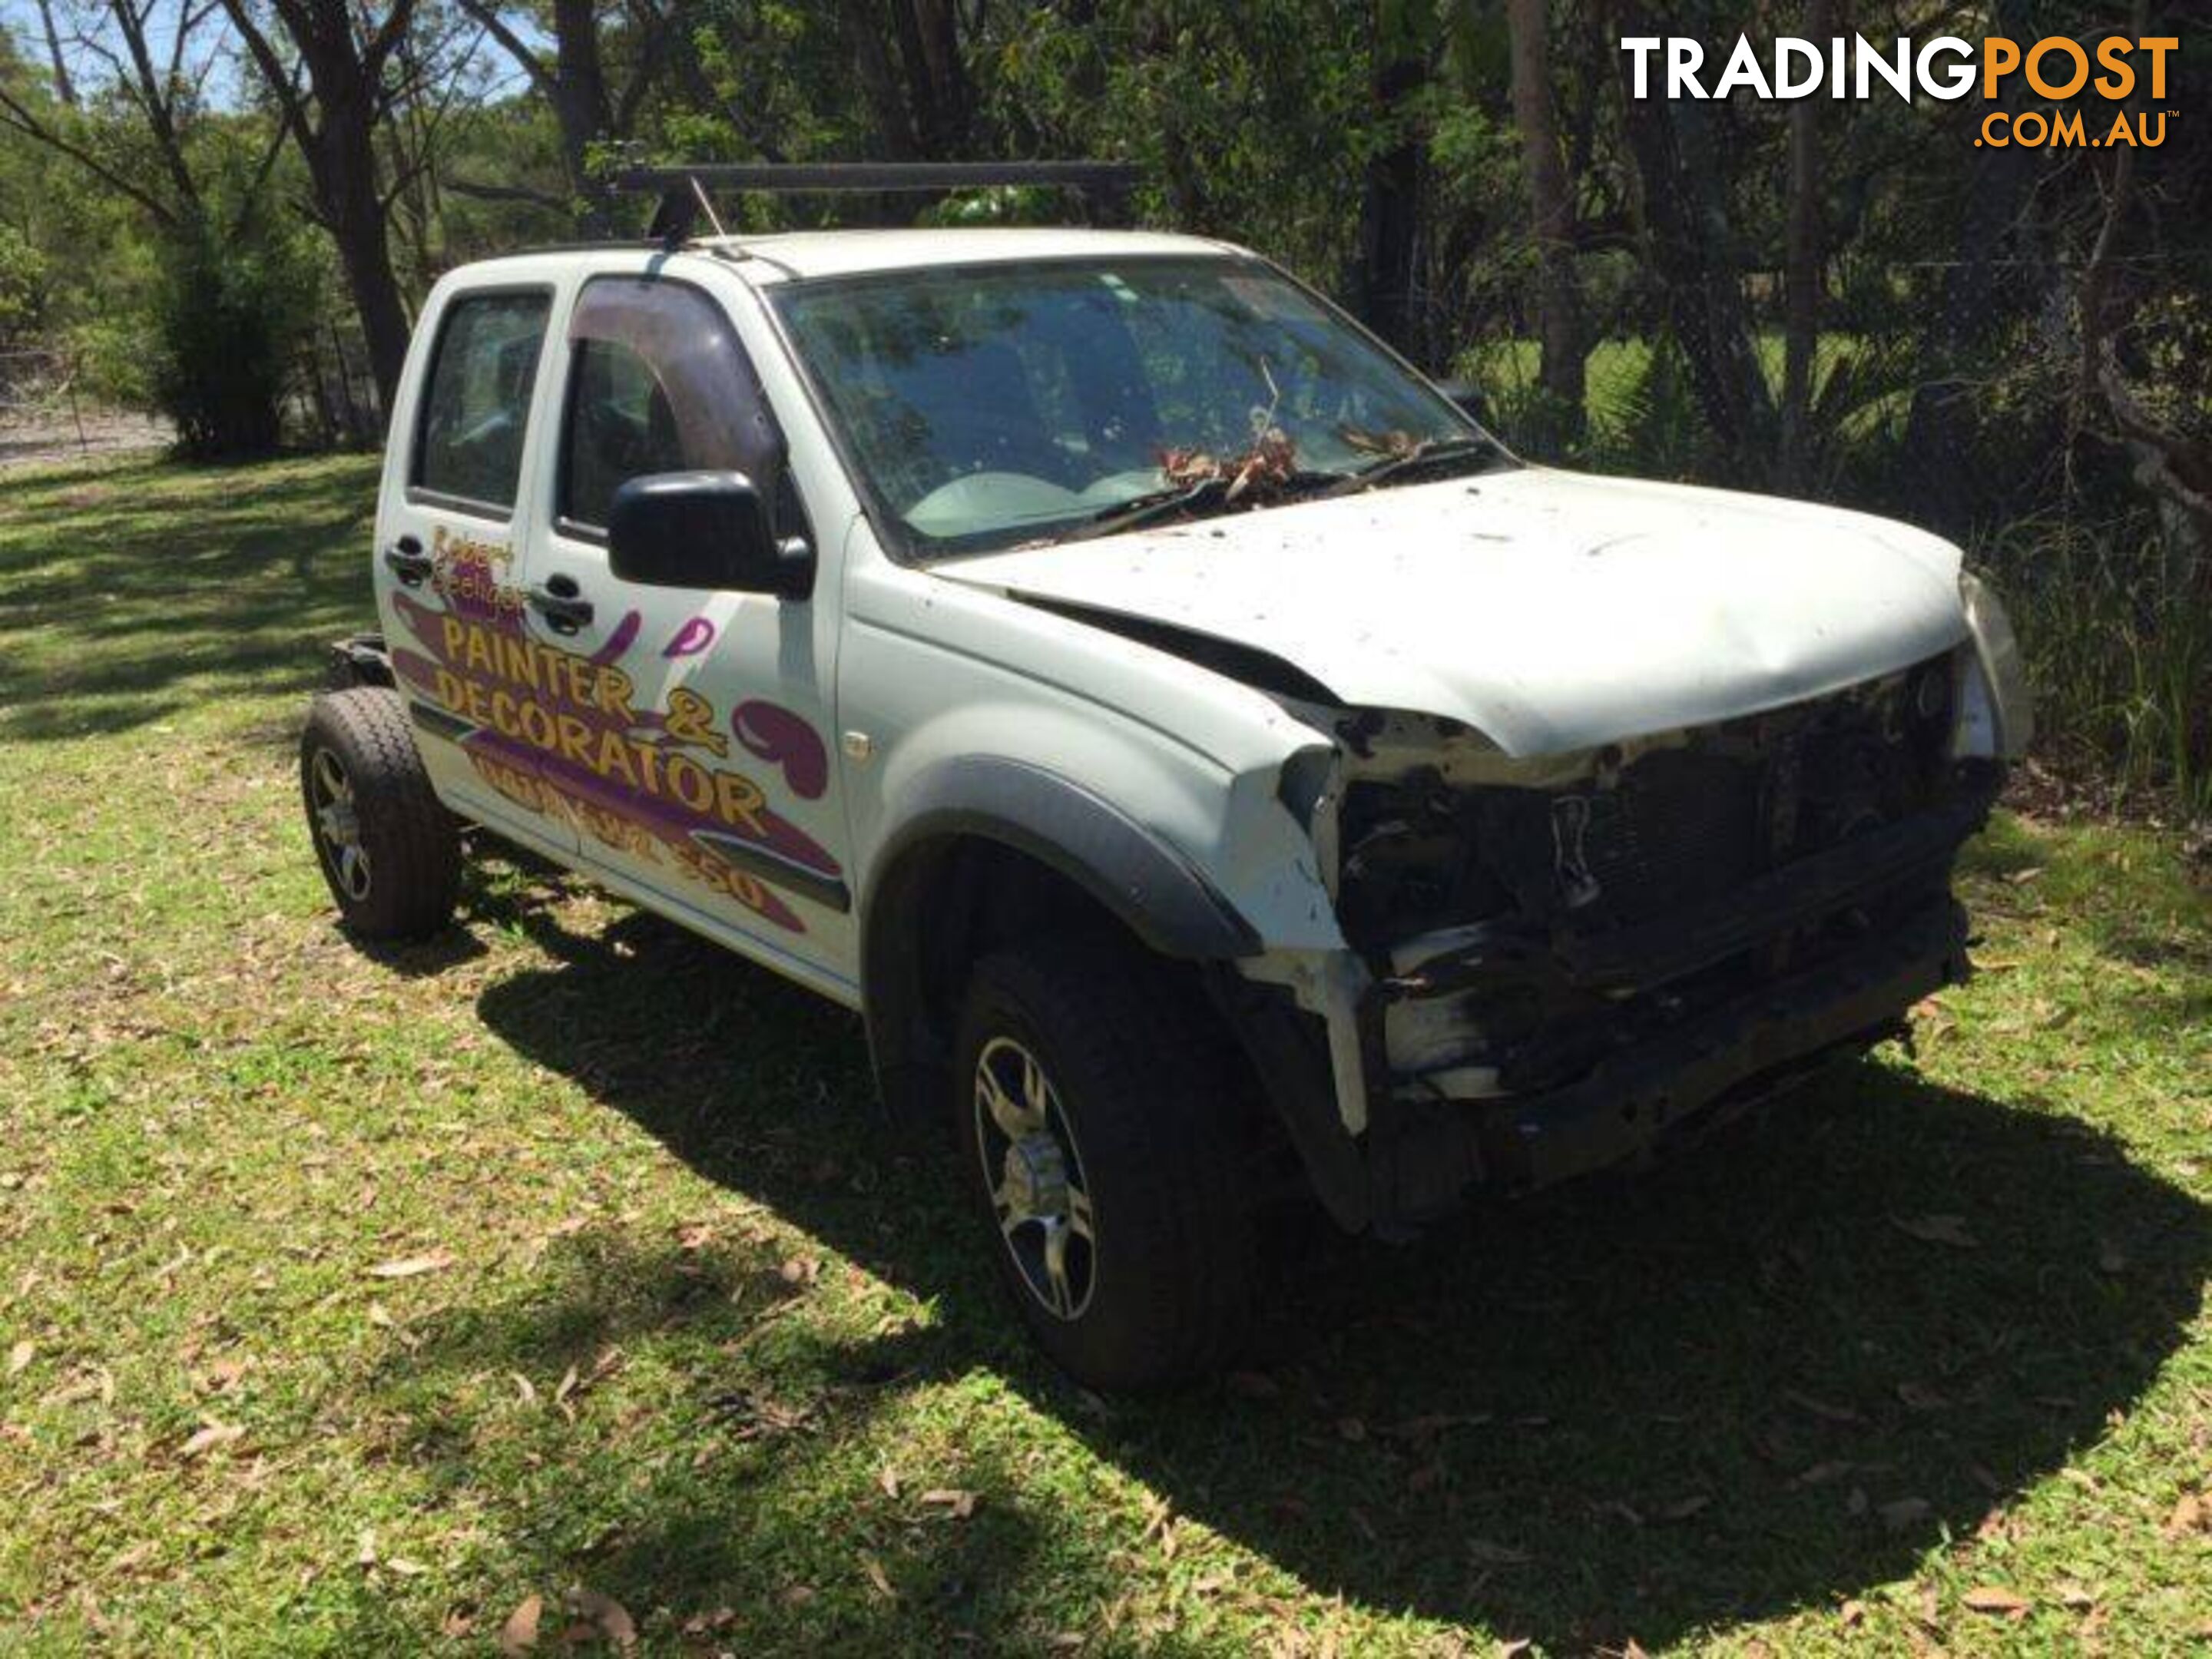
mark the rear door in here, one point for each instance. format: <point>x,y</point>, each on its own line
<point>453,526</point>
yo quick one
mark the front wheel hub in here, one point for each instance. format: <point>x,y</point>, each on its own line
<point>1034,1173</point>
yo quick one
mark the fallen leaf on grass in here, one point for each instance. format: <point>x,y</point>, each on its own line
<point>1992,1598</point>
<point>411,1266</point>
<point>611,1619</point>
<point>519,1633</point>
<point>877,1578</point>
<point>1683,1510</point>
<point>1919,1397</point>
<point>2189,1515</point>
<point>1949,1229</point>
<point>208,1437</point>
<point>1805,1402</point>
<point>21,1356</point>
<point>220,1376</point>
<point>1901,1512</point>
<point>1253,1385</point>
<point>1495,1555</point>
<point>888,1478</point>
<point>960,1504</point>
<point>1820,1473</point>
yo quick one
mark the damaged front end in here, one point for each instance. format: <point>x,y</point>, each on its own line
<point>1560,962</point>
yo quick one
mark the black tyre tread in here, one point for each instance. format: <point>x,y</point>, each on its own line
<point>413,842</point>
<point>1165,1110</point>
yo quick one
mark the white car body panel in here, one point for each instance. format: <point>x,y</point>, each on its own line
<point>1547,613</point>
<point>1550,611</point>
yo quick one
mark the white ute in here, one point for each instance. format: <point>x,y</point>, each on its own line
<point>1221,773</point>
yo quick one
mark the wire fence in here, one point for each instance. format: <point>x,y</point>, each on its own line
<point>47,414</point>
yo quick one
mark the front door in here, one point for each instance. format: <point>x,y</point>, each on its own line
<point>698,773</point>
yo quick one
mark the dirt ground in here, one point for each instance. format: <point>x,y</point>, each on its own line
<point>44,438</point>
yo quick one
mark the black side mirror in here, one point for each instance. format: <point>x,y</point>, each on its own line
<point>1468,396</point>
<point>703,530</point>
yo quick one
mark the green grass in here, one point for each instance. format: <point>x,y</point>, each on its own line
<point>698,1336</point>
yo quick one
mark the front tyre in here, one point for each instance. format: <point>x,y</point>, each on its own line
<point>388,848</point>
<point>1102,1131</point>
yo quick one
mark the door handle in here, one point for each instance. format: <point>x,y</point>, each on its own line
<point>558,603</point>
<point>409,562</point>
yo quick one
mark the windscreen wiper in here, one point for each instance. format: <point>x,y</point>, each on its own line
<point>1427,452</point>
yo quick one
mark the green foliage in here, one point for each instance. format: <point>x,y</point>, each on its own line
<point>232,309</point>
<point>24,280</point>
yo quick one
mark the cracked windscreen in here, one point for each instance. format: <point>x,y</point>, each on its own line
<point>998,406</point>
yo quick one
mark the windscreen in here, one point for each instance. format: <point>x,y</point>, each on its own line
<point>991,406</point>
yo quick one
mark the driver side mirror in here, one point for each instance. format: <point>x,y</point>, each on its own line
<point>703,530</point>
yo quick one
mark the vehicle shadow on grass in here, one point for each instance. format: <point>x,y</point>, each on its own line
<point>1762,1379</point>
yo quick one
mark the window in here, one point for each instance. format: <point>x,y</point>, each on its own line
<point>993,406</point>
<point>477,407</point>
<point>620,426</point>
<point>659,383</point>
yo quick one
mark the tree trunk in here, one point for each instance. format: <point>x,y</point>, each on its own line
<point>581,107</point>
<point>342,162</point>
<point>64,89</point>
<point>1558,311</point>
<point>1692,257</point>
<point>1390,196</point>
<point>334,123</point>
<point>863,24</point>
<point>1801,261</point>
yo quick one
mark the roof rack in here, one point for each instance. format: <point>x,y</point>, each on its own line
<point>683,190</point>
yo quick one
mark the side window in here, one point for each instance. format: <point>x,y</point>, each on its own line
<point>658,382</point>
<point>477,406</point>
<point>620,426</point>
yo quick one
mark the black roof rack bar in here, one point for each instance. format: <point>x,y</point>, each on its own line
<point>679,187</point>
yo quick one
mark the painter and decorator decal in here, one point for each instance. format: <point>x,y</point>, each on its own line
<point>557,732</point>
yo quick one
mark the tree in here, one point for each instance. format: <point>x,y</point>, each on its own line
<point>333,118</point>
<point>591,100</point>
<point>1801,265</point>
<point>1558,309</point>
<point>1400,43</point>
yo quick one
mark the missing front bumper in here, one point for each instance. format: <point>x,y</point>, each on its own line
<point>1425,1151</point>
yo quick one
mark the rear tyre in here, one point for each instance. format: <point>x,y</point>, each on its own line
<point>1103,1132</point>
<point>388,848</point>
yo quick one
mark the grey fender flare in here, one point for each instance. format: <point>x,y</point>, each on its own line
<point>1149,886</point>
